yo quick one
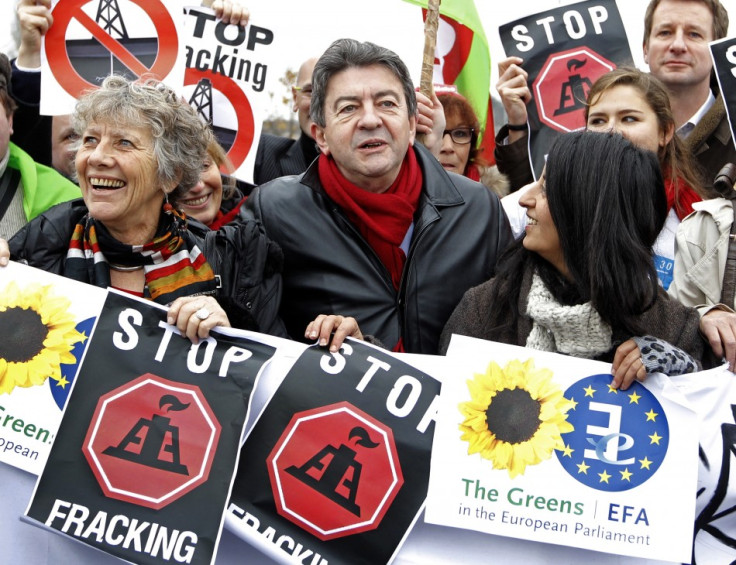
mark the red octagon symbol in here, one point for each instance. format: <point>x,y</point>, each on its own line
<point>562,86</point>
<point>335,471</point>
<point>151,441</point>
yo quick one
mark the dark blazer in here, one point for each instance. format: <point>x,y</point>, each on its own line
<point>31,130</point>
<point>282,156</point>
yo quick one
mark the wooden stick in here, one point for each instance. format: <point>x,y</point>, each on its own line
<point>430,42</point>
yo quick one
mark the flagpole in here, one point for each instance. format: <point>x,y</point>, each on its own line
<point>430,42</point>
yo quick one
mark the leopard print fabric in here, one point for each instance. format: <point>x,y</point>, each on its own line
<point>660,356</point>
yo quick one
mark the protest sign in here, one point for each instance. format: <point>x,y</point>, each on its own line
<point>90,40</point>
<point>143,462</point>
<point>723,53</point>
<point>225,81</point>
<point>564,50</point>
<point>335,469</point>
<point>712,394</point>
<point>45,322</point>
<point>538,446</point>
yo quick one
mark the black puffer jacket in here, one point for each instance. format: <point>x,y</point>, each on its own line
<point>459,231</point>
<point>247,262</point>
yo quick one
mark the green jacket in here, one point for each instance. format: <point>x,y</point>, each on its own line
<point>43,187</point>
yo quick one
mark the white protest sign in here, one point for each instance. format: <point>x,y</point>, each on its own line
<point>45,321</point>
<point>227,81</point>
<point>538,446</point>
<point>91,39</point>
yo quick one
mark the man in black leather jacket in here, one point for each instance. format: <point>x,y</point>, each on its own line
<point>338,257</point>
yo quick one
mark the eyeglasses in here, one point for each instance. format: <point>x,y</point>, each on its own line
<point>462,136</point>
<point>305,90</point>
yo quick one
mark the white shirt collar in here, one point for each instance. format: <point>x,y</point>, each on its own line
<point>685,129</point>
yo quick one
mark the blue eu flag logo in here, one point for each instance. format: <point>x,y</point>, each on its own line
<point>60,389</point>
<point>619,438</point>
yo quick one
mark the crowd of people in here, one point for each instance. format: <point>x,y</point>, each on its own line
<point>356,222</point>
<point>617,252</point>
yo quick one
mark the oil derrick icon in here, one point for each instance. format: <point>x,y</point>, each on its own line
<point>575,90</point>
<point>92,60</point>
<point>335,470</point>
<point>109,18</point>
<point>153,442</point>
<point>201,100</point>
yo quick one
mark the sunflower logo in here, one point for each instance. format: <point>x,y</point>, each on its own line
<point>515,416</point>
<point>37,334</point>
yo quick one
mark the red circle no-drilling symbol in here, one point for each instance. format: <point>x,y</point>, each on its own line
<point>335,471</point>
<point>243,110</point>
<point>57,48</point>
<point>151,441</point>
<point>562,86</point>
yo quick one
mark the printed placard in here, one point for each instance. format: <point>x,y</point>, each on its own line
<point>226,79</point>
<point>91,39</point>
<point>565,50</point>
<point>45,324</point>
<point>539,446</point>
<point>336,468</point>
<point>723,53</point>
<point>712,394</point>
<point>143,462</point>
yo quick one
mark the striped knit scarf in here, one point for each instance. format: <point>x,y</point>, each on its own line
<point>173,264</point>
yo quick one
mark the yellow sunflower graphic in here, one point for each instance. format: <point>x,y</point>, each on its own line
<point>37,334</point>
<point>515,416</point>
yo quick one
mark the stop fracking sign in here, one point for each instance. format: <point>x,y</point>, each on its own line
<point>336,468</point>
<point>565,50</point>
<point>144,458</point>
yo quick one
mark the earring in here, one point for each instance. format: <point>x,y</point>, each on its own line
<point>168,208</point>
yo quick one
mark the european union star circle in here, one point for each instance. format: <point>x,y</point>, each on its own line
<point>619,438</point>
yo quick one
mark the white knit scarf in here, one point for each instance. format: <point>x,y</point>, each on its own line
<point>574,330</point>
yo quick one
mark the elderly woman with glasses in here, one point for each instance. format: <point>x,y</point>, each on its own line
<point>459,151</point>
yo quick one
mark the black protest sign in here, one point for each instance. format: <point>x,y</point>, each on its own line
<point>565,50</point>
<point>336,468</point>
<point>144,458</point>
<point>724,62</point>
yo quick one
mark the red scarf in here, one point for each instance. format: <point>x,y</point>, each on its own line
<point>686,197</point>
<point>224,219</point>
<point>382,219</point>
<point>472,172</point>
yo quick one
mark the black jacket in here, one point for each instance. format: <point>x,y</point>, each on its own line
<point>459,231</point>
<point>247,262</point>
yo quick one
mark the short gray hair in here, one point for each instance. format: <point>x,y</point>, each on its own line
<point>347,53</point>
<point>180,137</point>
